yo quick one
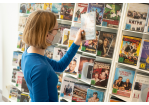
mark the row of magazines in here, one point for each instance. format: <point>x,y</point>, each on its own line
<point>107,14</point>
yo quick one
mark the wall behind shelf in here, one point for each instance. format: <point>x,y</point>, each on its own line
<point>9,22</point>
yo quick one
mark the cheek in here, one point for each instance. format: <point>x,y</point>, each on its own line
<point>50,37</point>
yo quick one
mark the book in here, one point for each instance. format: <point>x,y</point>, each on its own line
<point>24,87</point>
<point>79,92</point>
<point>100,74</point>
<point>129,51</point>
<point>19,77</point>
<point>66,33</point>
<point>99,9</point>
<point>30,8</point>
<point>83,59</point>
<point>106,44</point>
<point>22,22</point>
<point>60,77</point>
<point>19,96</point>
<point>39,6</point>
<point>90,45</point>
<point>56,8</point>
<point>94,95</point>
<point>15,60</point>
<point>140,91</point>
<point>67,10</point>
<point>88,24</point>
<point>20,43</point>
<point>81,8</point>
<point>123,81</point>
<point>144,59</point>
<point>13,92</point>
<point>24,97</point>
<point>112,14</point>
<point>14,73</point>
<point>47,6</point>
<point>136,17</point>
<point>73,66</point>
<point>23,7</point>
<point>59,53</point>
<point>50,51</point>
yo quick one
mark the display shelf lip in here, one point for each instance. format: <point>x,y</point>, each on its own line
<point>123,30</point>
<point>20,31</point>
<point>84,81</point>
<point>14,84</point>
<point>99,87</point>
<point>12,100</point>
<point>127,65</point>
<point>108,27</point>
<point>64,20</point>
<point>143,71</point>
<point>87,53</point>
<point>18,49</point>
<point>65,99</point>
<point>110,59</point>
<point>121,97</point>
<point>62,45</point>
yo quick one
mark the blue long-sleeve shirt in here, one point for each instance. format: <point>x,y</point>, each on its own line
<point>39,74</point>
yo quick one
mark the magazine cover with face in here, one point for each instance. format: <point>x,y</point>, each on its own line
<point>50,51</point>
<point>15,60</point>
<point>22,22</point>
<point>130,48</point>
<point>83,59</point>
<point>14,73</point>
<point>66,34</point>
<point>56,8</point>
<point>99,9</point>
<point>39,6</point>
<point>100,74</point>
<point>30,7</point>
<point>136,17</point>
<point>106,44</point>
<point>112,14</point>
<point>79,92</point>
<point>81,8</point>
<point>60,77</point>
<point>23,7</point>
<point>123,81</point>
<point>59,53</point>
<point>94,96</point>
<point>24,87</point>
<point>24,97</point>
<point>47,6</point>
<point>73,66</point>
<point>90,45</point>
<point>67,10</point>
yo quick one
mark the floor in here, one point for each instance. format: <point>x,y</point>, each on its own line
<point>1,98</point>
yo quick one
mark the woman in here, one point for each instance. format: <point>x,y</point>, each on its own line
<point>41,31</point>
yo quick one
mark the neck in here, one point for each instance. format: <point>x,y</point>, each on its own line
<point>32,49</point>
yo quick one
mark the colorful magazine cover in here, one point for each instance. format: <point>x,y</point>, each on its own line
<point>14,73</point>
<point>59,53</point>
<point>23,7</point>
<point>100,74</point>
<point>99,9</point>
<point>88,24</point>
<point>73,66</point>
<point>24,97</point>
<point>47,6</point>
<point>81,8</point>
<point>19,96</point>
<point>112,14</point>
<point>106,44</point>
<point>66,34</point>
<point>24,87</point>
<point>30,7</point>
<point>20,43</point>
<point>144,59</point>
<point>144,93</point>
<point>39,6</point>
<point>83,59</point>
<point>90,45</point>
<point>19,61</point>
<point>67,10</point>
<point>56,8</point>
<point>94,96</point>
<point>15,60</point>
<point>19,79</point>
<point>123,81</point>
<point>79,92</point>
<point>49,51</point>
<point>130,48</point>
<point>136,17</point>
<point>13,92</point>
<point>60,76</point>
<point>22,22</point>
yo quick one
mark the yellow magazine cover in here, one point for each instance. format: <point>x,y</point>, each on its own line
<point>47,6</point>
<point>66,36</point>
<point>70,43</point>
<point>130,48</point>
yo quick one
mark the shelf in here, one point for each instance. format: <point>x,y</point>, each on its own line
<point>98,87</point>
<point>64,21</point>
<point>89,54</point>
<point>121,97</point>
<point>126,65</point>
<point>64,98</point>
<point>142,71</point>
<point>103,59</point>
<point>12,100</point>
<point>61,45</point>
<point>17,49</point>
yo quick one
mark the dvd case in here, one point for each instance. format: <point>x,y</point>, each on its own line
<point>23,7</point>
<point>56,7</point>
<point>59,53</point>
<point>47,6</point>
<point>30,8</point>
<point>66,34</point>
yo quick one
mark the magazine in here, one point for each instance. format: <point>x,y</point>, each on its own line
<point>49,51</point>
<point>60,77</point>
<point>14,73</point>
<point>13,92</point>
<point>56,8</point>
<point>59,53</point>
<point>22,22</point>
<point>90,45</point>
<point>20,43</point>
<point>67,10</point>
<point>24,97</point>
<point>123,81</point>
<point>100,74</point>
<point>23,8</point>
<point>112,14</point>
<point>79,92</point>
<point>24,87</point>
<point>19,61</point>
<point>15,61</point>
<point>136,17</point>
<point>83,59</point>
<point>30,7</point>
<point>99,9</point>
<point>39,6</point>
<point>88,24</point>
<point>66,33</point>
<point>144,59</point>
<point>106,44</point>
<point>47,6</point>
<point>130,48</point>
<point>19,96</point>
<point>81,8</point>
<point>19,77</point>
<point>94,96</point>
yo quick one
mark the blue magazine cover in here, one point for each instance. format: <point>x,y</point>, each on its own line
<point>94,96</point>
<point>123,81</point>
<point>56,7</point>
<point>99,8</point>
<point>49,51</point>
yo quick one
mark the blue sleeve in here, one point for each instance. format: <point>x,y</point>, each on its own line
<point>39,83</point>
<point>61,65</point>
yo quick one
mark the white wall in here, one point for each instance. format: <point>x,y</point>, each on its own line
<point>9,17</point>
